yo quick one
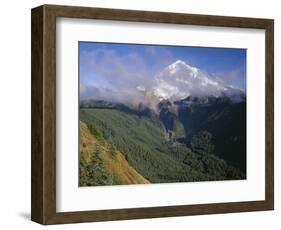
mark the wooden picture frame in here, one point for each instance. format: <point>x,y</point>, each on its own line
<point>43,202</point>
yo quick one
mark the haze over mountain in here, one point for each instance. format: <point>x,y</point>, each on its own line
<point>175,82</point>
<point>161,114</point>
<point>183,97</point>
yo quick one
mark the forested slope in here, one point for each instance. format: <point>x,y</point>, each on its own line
<point>140,137</point>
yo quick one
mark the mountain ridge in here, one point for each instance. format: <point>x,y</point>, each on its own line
<point>180,80</point>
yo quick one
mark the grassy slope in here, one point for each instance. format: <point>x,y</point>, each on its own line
<point>114,161</point>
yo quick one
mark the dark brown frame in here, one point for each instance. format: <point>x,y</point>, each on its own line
<point>43,188</point>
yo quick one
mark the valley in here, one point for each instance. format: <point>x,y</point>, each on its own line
<point>185,126</point>
<point>162,148</point>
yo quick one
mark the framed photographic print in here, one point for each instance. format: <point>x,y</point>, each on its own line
<point>141,114</point>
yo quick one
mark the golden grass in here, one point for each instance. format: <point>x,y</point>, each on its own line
<point>115,163</point>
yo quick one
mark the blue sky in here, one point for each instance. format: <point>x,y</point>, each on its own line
<point>115,65</point>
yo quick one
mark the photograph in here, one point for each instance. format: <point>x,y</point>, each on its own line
<point>136,103</point>
<point>161,114</point>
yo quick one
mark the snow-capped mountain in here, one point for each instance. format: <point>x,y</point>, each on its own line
<point>180,80</point>
<point>176,82</point>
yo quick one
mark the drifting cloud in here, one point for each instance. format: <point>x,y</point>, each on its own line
<point>126,73</point>
<point>105,74</point>
<point>112,68</point>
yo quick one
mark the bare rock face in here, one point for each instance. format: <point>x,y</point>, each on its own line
<point>170,136</point>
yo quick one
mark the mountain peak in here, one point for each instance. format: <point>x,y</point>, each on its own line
<point>177,65</point>
<point>179,80</point>
<point>179,62</point>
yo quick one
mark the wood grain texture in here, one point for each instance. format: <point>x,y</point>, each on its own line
<point>37,115</point>
<point>269,117</point>
<point>43,207</point>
